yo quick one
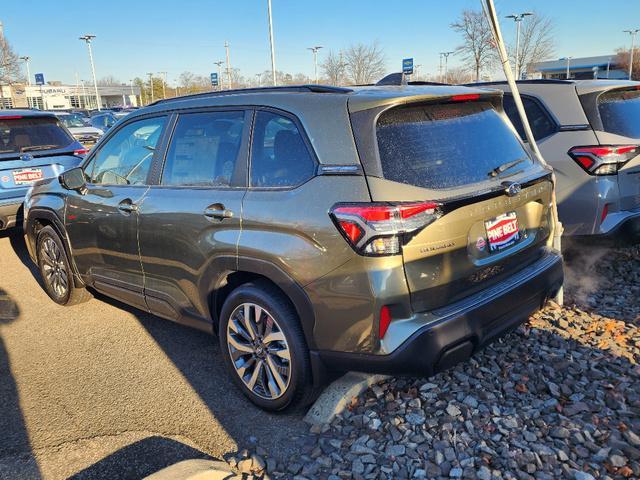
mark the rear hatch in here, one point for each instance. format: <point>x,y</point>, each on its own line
<point>491,215</point>
<point>615,117</point>
<point>31,149</point>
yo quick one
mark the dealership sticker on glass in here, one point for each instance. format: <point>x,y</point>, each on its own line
<point>27,176</point>
<point>502,231</point>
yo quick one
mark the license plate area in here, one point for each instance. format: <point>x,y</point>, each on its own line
<point>26,176</point>
<point>502,232</point>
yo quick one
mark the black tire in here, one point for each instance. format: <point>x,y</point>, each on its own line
<point>299,391</point>
<point>66,296</point>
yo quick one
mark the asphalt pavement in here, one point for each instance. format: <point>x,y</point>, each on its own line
<point>102,390</point>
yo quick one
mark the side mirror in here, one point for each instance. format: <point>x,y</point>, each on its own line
<point>74,180</point>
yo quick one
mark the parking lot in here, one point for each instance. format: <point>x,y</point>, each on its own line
<point>103,391</point>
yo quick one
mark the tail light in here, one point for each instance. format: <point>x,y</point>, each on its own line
<point>379,229</point>
<point>81,151</point>
<point>603,160</point>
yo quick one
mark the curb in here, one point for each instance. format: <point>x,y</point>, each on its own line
<point>338,395</point>
<point>195,469</point>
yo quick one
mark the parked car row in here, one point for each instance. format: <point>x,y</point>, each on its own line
<point>393,229</point>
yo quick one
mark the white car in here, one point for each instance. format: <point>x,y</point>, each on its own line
<point>79,128</point>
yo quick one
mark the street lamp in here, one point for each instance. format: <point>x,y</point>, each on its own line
<point>315,60</point>
<point>87,38</point>
<point>518,19</point>
<point>273,55</point>
<point>151,85</point>
<point>568,59</point>
<point>164,82</point>
<point>446,63</point>
<point>26,61</point>
<point>633,38</point>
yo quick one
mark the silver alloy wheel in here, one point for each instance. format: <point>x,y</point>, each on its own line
<point>259,351</point>
<point>54,269</point>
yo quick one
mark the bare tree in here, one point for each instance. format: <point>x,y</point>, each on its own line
<point>109,81</point>
<point>621,61</point>
<point>536,42</point>
<point>333,68</point>
<point>459,75</point>
<point>364,63</point>
<point>478,47</point>
<point>10,70</point>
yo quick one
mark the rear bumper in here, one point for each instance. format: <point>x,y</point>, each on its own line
<point>461,329</point>
<point>622,228</point>
<point>10,210</point>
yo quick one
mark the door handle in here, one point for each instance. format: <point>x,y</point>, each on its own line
<point>217,211</point>
<point>127,206</point>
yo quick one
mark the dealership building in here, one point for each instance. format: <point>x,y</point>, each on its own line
<point>56,96</point>
<point>582,68</point>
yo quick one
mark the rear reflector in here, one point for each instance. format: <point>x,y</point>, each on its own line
<point>465,97</point>
<point>603,159</point>
<point>81,151</point>
<point>377,229</point>
<point>605,212</point>
<point>385,321</point>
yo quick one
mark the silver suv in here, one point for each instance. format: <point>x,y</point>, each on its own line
<point>589,131</point>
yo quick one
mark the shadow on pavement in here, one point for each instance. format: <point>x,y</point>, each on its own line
<point>14,439</point>
<point>140,459</point>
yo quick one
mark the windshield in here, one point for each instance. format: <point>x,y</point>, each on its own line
<point>620,112</point>
<point>73,120</point>
<point>449,145</point>
<point>21,134</point>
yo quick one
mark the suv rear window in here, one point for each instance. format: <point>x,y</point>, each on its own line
<point>445,146</point>
<point>620,112</point>
<point>31,134</point>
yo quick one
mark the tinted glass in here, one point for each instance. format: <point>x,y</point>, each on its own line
<point>72,120</point>
<point>103,121</point>
<point>31,134</point>
<point>204,149</point>
<point>279,156</point>
<point>444,146</point>
<point>541,125</point>
<point>620,112</point>
<point>127,156</point>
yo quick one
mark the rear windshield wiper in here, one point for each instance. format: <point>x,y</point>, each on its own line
<point>33,148</point>
<point>504,167</point>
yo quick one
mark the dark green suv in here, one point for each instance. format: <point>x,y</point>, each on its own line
<point>314,229</point>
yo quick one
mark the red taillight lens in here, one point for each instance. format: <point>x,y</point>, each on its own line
<point>81,151</point>
<point>603,159</point>
<point>465,97</point>
<point>379,229</point>
<point>385,321</point>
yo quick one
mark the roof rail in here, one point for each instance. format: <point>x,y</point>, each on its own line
<point>536,80</point>
<point>284,88</point>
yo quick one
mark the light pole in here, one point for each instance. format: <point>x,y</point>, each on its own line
<point>132,93</point>
<point>415,71</point>
<point>517,17</point>
<point>87,38</point>
<point>151,85</point>
<point>446,64</point>
<point>164,82</point>
<point>633,34</point>
<point>219,64</point>
<point>273,54</point>
<point>315,60</point>
<point>26,61</point>
<point>259,79</point>
<point>226,47</point>
<point>568,59</point>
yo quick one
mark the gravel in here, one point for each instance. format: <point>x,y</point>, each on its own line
<point>557,398</point>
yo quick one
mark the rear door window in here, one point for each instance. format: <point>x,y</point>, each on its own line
<point>448,145</point>
<point>541,123</point>
<point>279,155</point>
<point>620,112</point>
<point>22,134</point>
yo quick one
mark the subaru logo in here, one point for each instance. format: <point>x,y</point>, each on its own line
<point>26,157</point>
<point>512,188</point>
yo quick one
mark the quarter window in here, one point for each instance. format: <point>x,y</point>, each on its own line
<point>204,149</point>
<point>127,156</point>
<point>541,125</point>
<point>279,155</point>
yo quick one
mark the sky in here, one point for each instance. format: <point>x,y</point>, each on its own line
<point>136,37</point>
